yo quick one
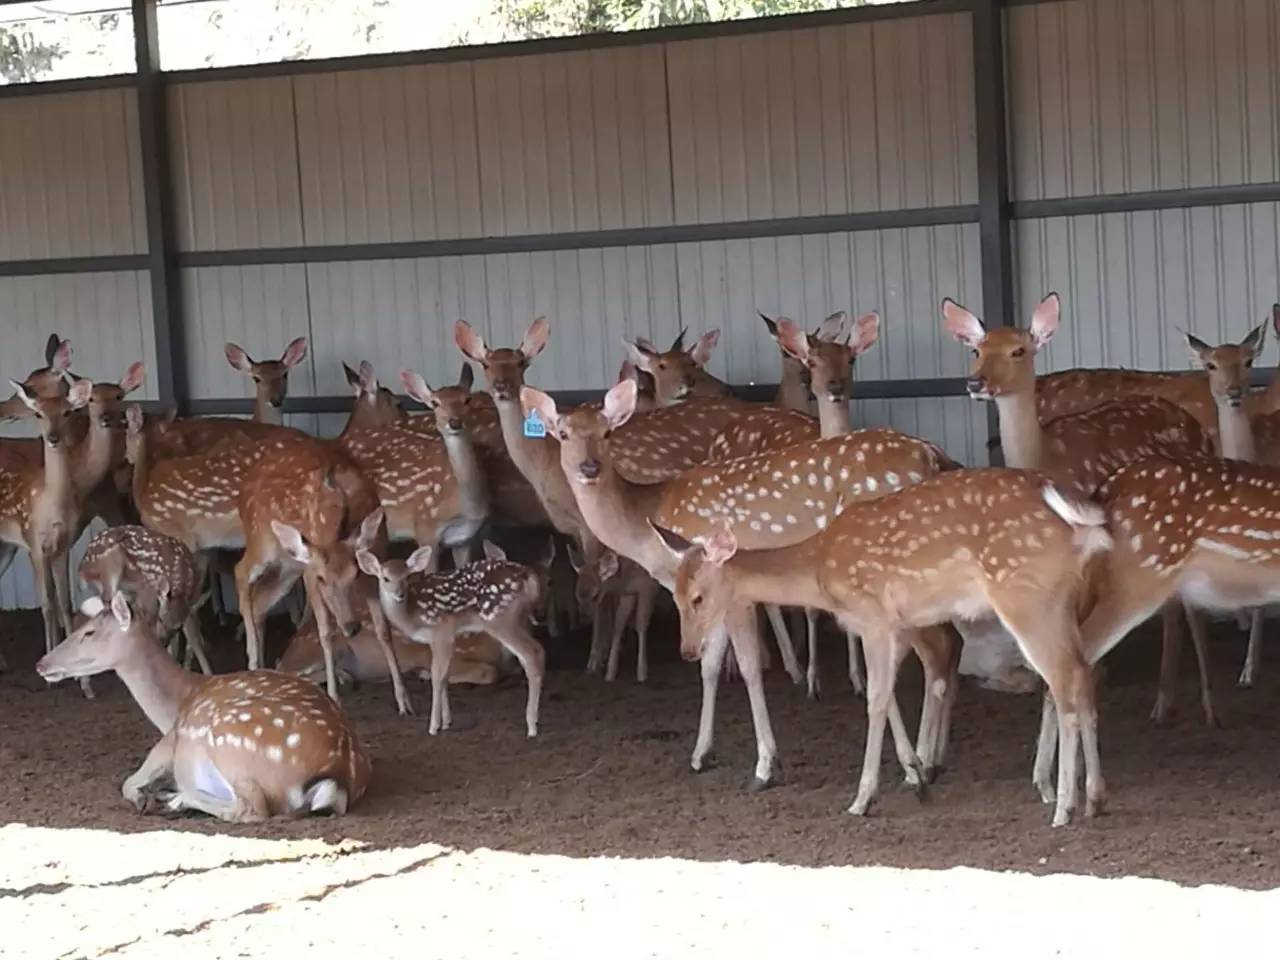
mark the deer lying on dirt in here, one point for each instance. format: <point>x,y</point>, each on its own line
<point>955,546</point>
<point>241,747</point>
<point>493,595</point>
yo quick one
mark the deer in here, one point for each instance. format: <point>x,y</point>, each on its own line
<point>375,405</point>
<point>157,572</point>
<point>793,385</point>
<point>492,595</point>
<point>776,499</point>
<point>45,382</point>
<point>1080,451</point>
<point>958,545</point>
<point>679,374</point>
<point>270,377</point>
<point>241,747</point>
<point>40,511</point>
<point>635,592</point>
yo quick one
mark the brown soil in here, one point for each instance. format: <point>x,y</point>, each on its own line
<point>609,774</point>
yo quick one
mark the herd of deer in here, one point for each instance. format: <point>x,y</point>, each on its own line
<point>1126,494</point>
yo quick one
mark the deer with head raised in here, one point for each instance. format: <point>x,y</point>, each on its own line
<point>956,546</point>
<point>775,499</point>
<point>270,377</point>
<point>1080,451</point>
<point>241,747</point>
<point>793,385</point>
<point>679,374</point>
<point>375,405</point>
<point>492,595</point>
<point>157,571</point>
<point>46,382</point>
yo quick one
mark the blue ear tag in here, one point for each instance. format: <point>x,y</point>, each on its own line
<point>533,426</point>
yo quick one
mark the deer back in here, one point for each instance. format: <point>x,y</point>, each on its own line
<point>766,429</point>
<point>478,594</point>
<point>1078,391</point>
<point>198,435</point>
<point>662,444</point>
<point>150,566</point>
<point>410,472</point>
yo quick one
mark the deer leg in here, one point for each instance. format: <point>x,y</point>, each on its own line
<point>937,650</point>
<point>1171,615</point>
<point>1046,749</point>
<point>811,668</point>
<point>879,693</point>
<point>644,614</point>
<point>324,629</point>
<point>245,802</point>
<point>1249,673</point>
<point>379,619</point>
<point>605,612</point>
<point>157,766</point>
<point>44,587</point>
<point>744,634</point>
<point>533,660</point>
<point>621,617</point>
<point>785,647</point>
<point>1200,644</point>
<point>195,642</point>
<point>855,665</point>
<point>714,649</point>
<point>59,567</point>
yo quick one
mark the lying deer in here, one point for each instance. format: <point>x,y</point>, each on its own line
<point>955,546</point>
<point>493,595</point>
<point>241,747</point>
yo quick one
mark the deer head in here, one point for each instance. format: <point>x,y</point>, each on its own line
<point>48,381</point>
<point>703,593</point>
<point>592,577</point>
<point>584,433</point>
<point>393,575</point>
<point>828,362</point>
<point>675,371</point>
<point>375,405</point>
<point>1229,366</point>
<point>503,368</point>
<point>1004,359</point>
<point>334,566</point>
<point>106,402</point>
<point>270,377</point>
<point>103,642</point>
<point>54,413</point>
<point>448,404</point>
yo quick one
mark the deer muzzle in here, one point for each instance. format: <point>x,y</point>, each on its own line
<point>978,389</point>
<point>1235,396</point>
<point>589,469</point>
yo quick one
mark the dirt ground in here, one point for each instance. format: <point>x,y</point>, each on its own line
<point>609,777</point>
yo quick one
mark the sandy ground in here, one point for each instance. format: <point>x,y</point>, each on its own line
<point>596,835</point>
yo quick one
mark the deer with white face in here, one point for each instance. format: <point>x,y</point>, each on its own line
<point>679,374</point>
<point>829,365</point>
<point>774,499</point>
<point>158,572</point>
<point>493,595</point>
<point>270,377</point>
<point>241,747</point>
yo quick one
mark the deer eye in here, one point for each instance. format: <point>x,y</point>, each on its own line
<point>608,434</point>
<point>662,365</point>
<point>564,435</point>
<point>1249,362</point>
<point>1019,352</point>
<point>975,353</point>
<point>1210,365</point>
<point>696,600</point>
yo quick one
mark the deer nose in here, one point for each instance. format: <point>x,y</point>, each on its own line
<point>976,385</point>
<point>1235,393</point>
<point>589,469</point>
<point>455,423</point>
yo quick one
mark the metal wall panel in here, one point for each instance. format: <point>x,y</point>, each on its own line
<point>861,117</point>
<point>70,176</point>
<point>260,308</point>
<point>1114,96</point>
<point>957,424</point>
<point>235,164</point>
<point>1130,282</point>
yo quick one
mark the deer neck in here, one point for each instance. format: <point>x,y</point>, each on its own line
<point>95,457</point>
<point>156,682</point>
<point>58,484</point>
<point>141,472</point>
<point>617,512</point>
<point>833,417</point>
<point>787,576</point>
<point>1235,433</point>
<point>13,409</point>
<point>532,456</point>
<point>467,471</point>
<point>792,393</point>
<point>1021,436</point>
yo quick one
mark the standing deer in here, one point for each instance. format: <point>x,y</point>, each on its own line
<point>679,374</point>
<point>955,546</point>
<point>375,405</point>
<point>492,595</point>
<point>634,592</point>
<point>775,499</point>
<point>46,382</point>
<point>793,386</point>
<point>270,378</point>
<point>241,747</point>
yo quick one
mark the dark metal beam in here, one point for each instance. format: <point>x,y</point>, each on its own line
<point>43,88</point>
<point>1147,200</point>
<point>45,267</point>
<point>993,174</point>
<point>162,264</point>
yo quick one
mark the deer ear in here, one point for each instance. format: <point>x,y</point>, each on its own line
<point>831,327</point>
<point>677,545</point>
<point>133,418</point>
<point>702,350</point>
<point>494,552</point>
<point>237,357</point>
<point>294,353</point>
<point>79,394</point>
<point>368,563</point>
<point>1197,347</point>
<point>92,606</point>
<point>353,378</point>
<point>420,559</point>
<point>368,531</point>
<point>1044,320</point>
<point>61,359</point>
<point>608,564</point>
<point>133,377</point>
<point>640,351</point>
<point>25,395</point>
<point>962,324</point>
<point>534,399</point>
<point>792,340</point>
<point>769,324</point>
<point>535,338</point>
<point>1256,340</point>
<point>466,377</point>
<point>620,403</point>
<point>469,342</point>
<point>865,333</point>
<point>293,542</point>
<point>120,610</point>
<point>368,380</point>
<point>720,547</point>
<point>678,342</point>
<point>417,388</point>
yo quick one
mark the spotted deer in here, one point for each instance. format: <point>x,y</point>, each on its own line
<point>679,374</point>
<point>793,384</point>
<point>775,499</point>
<point>1080,451</point>
<point>635,593</point>
<point>270,377</point>
<point>46,382</point>
<point>241,747</point>
<point>830,366</point>
<point>492,595</point>
<point>374,405</point>
<point>959,545</point>
<point>157,572</point>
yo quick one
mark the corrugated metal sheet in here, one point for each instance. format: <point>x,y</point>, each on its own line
<point>235,163</point>
<point>862,117</point>
<point>1130,282</point>
<point>260,308</point>
<point>957,424</point>
<point>1113,96</point>
<point>70,176</point>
